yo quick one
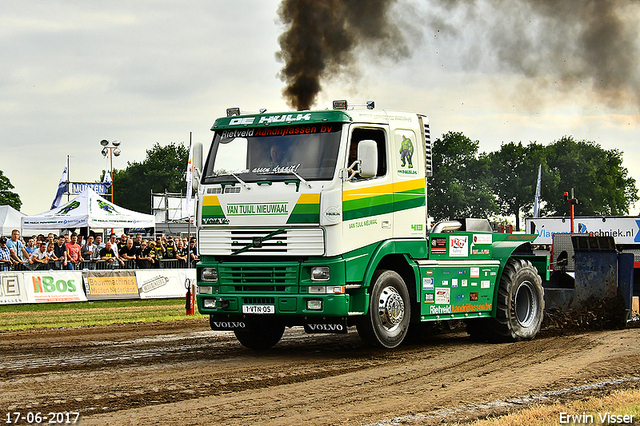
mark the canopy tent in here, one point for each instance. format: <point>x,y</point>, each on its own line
<point>9,220</point>
<point>90,210</point>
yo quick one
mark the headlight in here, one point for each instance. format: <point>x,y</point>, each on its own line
<point>320,273</point>
<point>209,303</point>
<point>314,305</point>
<point>209,274</point>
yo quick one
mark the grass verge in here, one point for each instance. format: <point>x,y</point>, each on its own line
<point>606,410</point>
<point>61,315</point>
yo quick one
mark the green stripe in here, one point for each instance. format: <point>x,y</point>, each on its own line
<point>212,211</point>
<point>305,213</point>
<point>381,204</point>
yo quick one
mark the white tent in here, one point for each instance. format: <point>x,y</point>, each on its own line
<point>88,209</point>
<point>9,220</point>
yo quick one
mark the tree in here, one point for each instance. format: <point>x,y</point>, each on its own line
<point>515,173</point>
<point>461,182</point>
<point>601,184</point>
<point>162,170</point>
<point>8,197</point>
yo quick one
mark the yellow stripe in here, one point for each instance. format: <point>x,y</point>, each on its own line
<point>210,200</point>
<point>309,199</point>
<point>372,191</point>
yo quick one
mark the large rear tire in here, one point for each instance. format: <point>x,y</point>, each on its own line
<point>260,335</point>
<point>387,322</point>
<point>520,305</point>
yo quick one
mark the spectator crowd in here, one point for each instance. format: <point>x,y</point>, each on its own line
<point>72,252</point>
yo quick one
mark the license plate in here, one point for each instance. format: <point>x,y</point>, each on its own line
<point>258,309</point>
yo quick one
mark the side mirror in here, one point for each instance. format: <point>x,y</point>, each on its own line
<point>197,164</point>
<point>368,157</point>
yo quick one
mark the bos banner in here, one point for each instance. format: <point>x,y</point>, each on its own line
<point>81,286</point>
<point>54,286</point>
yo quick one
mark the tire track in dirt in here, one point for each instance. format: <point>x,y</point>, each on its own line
<point>193,376</point>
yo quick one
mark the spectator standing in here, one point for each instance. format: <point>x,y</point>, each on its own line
<point>181,254</point>
<point>16,248</point>
<point>143,256</point>
<point>170,249</point>
<point>74,256</point>
<point>52,255</point>
<point>5,255</point>
<point>122,243</point>
<point>40,257</point>
<point>193,252</point>
<point>108,255</point>
<point>114,243</point>
<point>98,242</point>
<point>60,251</point>
<point>128,253</point>
<point>158,252</point>
<point>88,251</point>
<point>137,243</point>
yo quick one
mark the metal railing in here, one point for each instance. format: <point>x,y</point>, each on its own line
<point>100,265</point>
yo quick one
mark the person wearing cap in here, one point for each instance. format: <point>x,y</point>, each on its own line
<point>5,255</point>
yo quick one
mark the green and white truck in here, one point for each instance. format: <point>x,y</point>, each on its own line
<point>319,219</point>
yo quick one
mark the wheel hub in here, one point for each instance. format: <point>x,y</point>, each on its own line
<point>390,308</point>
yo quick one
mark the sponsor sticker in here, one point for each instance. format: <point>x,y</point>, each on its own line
<point>474,272</point>
<point>443,296</point>
<point>427,284</point>
<point>485,284</point>
<point>459,246</point>
<point>428,298</point>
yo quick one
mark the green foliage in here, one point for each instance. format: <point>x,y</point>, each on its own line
<point>468,184</point>
<point>515,173</point>
<point>461,181</point>
<point>8,197</point>
<point>601,184</point>
<point>162,170</point>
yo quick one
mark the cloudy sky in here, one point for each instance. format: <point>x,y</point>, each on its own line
<point>75,72</point>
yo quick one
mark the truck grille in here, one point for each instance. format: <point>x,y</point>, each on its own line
<point>258,277</point>
<point>255,242</point>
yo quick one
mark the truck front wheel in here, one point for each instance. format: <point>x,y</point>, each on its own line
<point>520,303</point>
<point>387,322</point>
<point>260,335</point>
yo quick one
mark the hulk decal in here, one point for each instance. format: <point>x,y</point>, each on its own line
<point>106,207</point>
<point>66,209</point>
<point>406,151</point>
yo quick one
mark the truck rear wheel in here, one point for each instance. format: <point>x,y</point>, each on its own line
<point>520,304</point>
<point>387,322</point>
<point>260,335</point>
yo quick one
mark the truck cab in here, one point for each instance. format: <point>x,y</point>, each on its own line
<point>300,216</point>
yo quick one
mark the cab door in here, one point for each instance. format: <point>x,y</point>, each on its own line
<point>367,203</point>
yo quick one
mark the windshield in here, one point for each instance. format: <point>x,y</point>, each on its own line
<point>274,153</point>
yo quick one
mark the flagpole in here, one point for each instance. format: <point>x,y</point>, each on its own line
<point>189,204</point>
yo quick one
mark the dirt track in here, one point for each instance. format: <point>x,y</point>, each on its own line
<point>184,374</point>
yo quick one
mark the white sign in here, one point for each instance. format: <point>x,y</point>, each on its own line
<point>625,230</point>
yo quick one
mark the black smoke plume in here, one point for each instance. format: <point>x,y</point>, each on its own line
<point>558,43</point>
<point>321,39</point>
<point>565,45</point>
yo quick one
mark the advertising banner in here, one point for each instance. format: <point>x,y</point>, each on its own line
<point>164,283</point>
<point>12,289</point>
<point>59,286</point>
<point>100,285</point>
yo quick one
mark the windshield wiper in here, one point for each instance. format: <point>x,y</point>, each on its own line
<point>240,180</point>
<point>289,172</point>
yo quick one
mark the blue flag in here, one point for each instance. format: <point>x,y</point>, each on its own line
<point>62,188</point>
